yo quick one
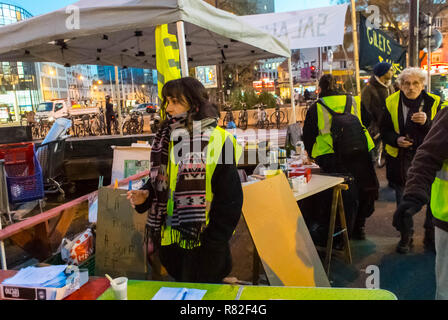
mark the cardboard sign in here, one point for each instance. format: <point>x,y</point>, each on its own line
<point>119,237</point>
<point>129,161</point>
<point>280,235</point>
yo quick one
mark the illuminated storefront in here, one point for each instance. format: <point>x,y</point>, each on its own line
<point>18,84</point>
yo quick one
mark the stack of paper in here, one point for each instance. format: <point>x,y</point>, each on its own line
<point>52,276</point>
<point>179,294</point>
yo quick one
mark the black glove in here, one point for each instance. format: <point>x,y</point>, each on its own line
<point>402,220</point>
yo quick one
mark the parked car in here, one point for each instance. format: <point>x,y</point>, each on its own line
<point>148,107</point>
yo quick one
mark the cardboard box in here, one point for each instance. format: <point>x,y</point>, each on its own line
<point>74,282</point>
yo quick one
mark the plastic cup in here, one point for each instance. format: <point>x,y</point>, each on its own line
<point>120,287</point>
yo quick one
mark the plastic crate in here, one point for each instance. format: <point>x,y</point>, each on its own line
<point>23,172</point>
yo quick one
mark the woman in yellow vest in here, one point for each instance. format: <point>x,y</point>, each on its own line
<point>359,200</point>
<point>194,196</point>
<point>428,181</point>
<point>407,120</point>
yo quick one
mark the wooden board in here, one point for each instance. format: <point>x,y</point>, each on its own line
<point>280,235</point>
<point>119,237</point>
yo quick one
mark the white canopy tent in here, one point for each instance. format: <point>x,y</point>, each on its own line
<point>106,34</point>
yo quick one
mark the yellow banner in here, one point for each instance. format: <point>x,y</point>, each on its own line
<point>167,55</point>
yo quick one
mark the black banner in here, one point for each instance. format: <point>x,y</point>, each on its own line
<point>376,46</point>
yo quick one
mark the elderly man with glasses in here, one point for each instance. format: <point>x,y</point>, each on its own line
<point>408,118</point>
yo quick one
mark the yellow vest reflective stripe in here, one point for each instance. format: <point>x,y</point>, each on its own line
<point>324,141</point>
<point>214,148</point>
<point>439,194</point>
<point>392,103</point>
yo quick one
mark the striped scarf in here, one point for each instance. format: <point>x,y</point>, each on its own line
<point>189,216</point>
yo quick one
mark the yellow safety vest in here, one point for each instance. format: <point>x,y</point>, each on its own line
<point>214,148</point>
<point>392,103</point>
<point>324,141</point>
<point>439,194</point>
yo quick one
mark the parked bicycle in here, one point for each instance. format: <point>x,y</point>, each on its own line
<point>134,123</point>
<point>243,118</point>
<point>279,117</point>
<point>228,117</point>
<point>261,117</point>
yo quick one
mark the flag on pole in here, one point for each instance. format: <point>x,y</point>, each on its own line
<point>167,55</point>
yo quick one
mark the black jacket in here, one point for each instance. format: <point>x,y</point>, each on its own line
<point>373,101</point>
<point>427,162</point>
<point>397,167</point>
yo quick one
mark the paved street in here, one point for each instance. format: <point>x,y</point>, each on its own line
<point>407,276</point>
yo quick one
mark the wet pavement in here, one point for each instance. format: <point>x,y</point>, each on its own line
<point>410,276</point>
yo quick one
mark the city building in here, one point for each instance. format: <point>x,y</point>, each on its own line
<point>19,85</point>
<point>53,82</point>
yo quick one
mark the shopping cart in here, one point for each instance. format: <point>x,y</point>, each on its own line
<point>51,159</point>
<point>23,172</point>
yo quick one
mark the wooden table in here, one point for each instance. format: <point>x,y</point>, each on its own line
<point>319,183</point>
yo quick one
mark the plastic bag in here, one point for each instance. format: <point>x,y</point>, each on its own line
<point>79,250</point>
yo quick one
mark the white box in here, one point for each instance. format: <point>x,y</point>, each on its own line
<point>76,281</point>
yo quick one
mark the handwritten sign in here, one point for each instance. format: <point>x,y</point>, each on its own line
<point>319,27</point>
<point>119,237</point>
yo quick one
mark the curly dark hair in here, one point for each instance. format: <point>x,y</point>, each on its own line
<point>327,85</point>
<point>193,92</point>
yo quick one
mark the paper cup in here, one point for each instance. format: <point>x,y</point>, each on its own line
<point>120,288</point>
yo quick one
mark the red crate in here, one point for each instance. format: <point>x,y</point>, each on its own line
<point>19,158</point>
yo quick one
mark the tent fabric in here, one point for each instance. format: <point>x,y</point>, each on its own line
<point>107,34</point>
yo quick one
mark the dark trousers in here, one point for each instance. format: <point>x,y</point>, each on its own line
<point>203,264</point>
<point>428,225</point>
<point>108,123</point>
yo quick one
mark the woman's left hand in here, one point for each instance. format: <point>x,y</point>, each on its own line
<point>419,117</point>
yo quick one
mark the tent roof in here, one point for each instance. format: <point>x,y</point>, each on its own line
<point>106,34</point>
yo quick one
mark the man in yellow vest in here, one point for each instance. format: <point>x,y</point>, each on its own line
<point>408,118</point>
<point>319,142</point>
<point>428,182</point>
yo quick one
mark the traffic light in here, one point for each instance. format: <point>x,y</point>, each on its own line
<point>313,72</point>
<point>424,23</point>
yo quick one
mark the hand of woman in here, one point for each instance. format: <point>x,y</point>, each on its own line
<point>419,117</point>
<point>403,142</point>
<point>137,197</point>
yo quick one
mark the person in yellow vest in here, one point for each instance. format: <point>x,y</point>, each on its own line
<point>428,182</point>
<point>409,115</point>
<point>359,200</point>
<point>194,196</point>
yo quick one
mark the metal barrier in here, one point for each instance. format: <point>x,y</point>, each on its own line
<point>4,209</point>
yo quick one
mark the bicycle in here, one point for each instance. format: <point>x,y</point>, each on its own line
<point>134,124</point>
<point>278,117</point>
<point>261,117</point>
<point>228,117</point>
<point>243,118</point>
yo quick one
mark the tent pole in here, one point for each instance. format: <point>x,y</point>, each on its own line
<point>182,48</point>
<point>291,84</point>
<point>117,87</point>
<point>355,47</point>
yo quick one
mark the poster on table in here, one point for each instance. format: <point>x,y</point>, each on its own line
<point>376,46</point>
<point>313,28</point>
